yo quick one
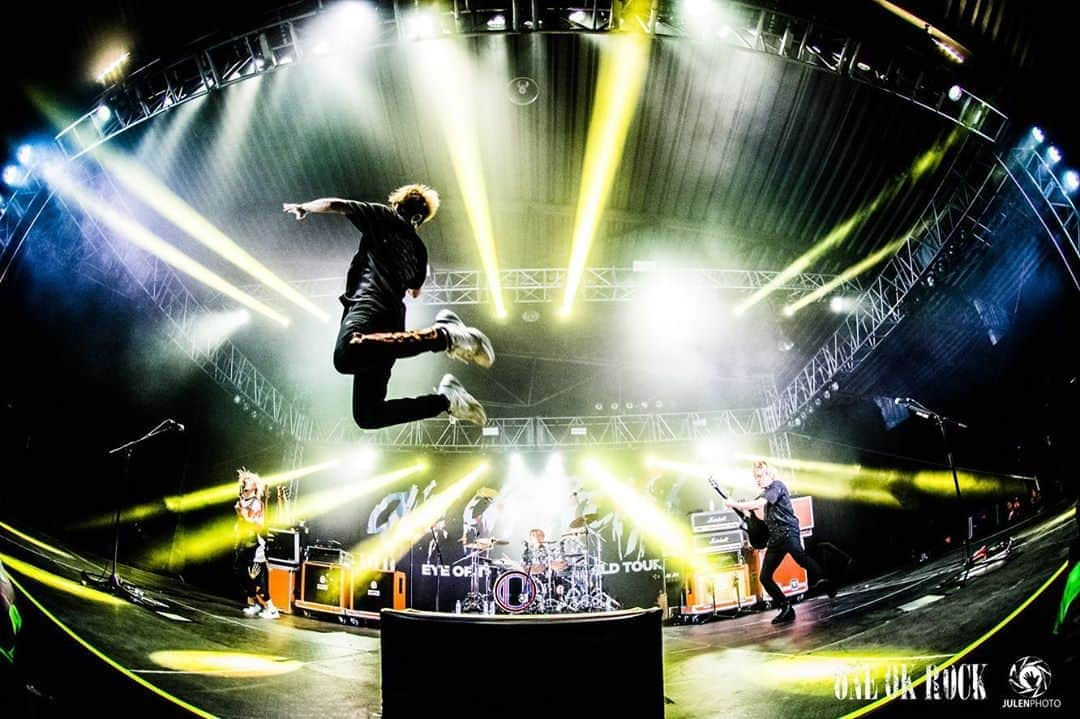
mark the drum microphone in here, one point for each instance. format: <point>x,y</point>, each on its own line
<point>174,424</point>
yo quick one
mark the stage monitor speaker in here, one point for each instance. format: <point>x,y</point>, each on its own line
<point>603,664</point>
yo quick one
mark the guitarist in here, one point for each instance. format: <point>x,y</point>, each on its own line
<point>784,538</point>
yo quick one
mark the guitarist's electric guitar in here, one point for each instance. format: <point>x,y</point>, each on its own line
<point>756,529</point>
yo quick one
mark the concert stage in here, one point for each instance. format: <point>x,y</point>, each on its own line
<point>196,653</point>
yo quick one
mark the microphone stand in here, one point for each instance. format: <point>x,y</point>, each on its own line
<point>112,583</point>
<point>942,422</point>
<point>438,564</point>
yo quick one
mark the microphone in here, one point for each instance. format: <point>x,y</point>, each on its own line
<point>174,424</point>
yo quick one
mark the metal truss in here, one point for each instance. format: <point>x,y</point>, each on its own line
<point>954,217</point>
<point>1050,202</point>
<point>223,363</point>
<point>535,433</point>
<point>599,284</point>
<point>17,215</point>
<point>162,85</point>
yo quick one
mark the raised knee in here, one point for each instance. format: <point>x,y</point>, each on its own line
<point>365,417</point>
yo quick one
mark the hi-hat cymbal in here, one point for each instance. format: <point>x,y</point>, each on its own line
<point>487,492</point>
<point>584,519</point>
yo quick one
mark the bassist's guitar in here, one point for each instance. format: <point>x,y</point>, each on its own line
<point>756,529</point>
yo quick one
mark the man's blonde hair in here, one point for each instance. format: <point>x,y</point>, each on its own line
<point>243,474</point>
<point>415,199</point>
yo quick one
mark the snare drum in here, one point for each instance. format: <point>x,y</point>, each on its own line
<point>514,592</point>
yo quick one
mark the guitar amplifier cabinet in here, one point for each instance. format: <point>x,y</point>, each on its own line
<point>727,588</point>
<point>324,587</point>
<point>373,591</point>
<point>282,586</point>
<point>804,511</point>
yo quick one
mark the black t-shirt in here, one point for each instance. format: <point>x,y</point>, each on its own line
<point>779,514</point>
<point>391,258</point>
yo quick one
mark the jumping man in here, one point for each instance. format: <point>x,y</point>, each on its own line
<point>390,261</point>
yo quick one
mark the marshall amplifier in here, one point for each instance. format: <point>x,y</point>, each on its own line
<point>373,591</point>
<point>283,546</point>
<point>324,587</point>
<point>719,520</point>
<point>712,542</point>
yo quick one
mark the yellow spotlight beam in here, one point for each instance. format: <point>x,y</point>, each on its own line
<point>216,536</point>
<point>624,62</point>
<point>444,74</point>
<point>393,541</point>
<point>674,537</point>
<point>60,583</point>
<point>36,542</point>
<point>924,163</point>
<point>199,498</point>
<point>847,275</point>
<point>165,202</point>
<point>146,240</point>
<point>312,505</point>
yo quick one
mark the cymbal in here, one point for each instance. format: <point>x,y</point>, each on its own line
<point>477,545</point>
<point>487,492</point>
<point>584,519</point>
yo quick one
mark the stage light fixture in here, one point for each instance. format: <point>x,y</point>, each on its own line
<point>111,67</point>
<point>122,224</point>
<point>1070,181</point>
<point>498,22</point>
<point>14,176</point>
<point>955,93</point>
<point>1053,155</point>
<point>25,155</point>
<point>420,25</point>
<point>835,386</point>
<point>362,460</point>
<point>102,113</point>
<point>624,61</point>
<point>1037,134</point>
<point>599,406</point>
<point>490,431</point>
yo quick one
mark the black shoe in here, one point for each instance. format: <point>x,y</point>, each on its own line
<point>826,586</point>
<point>786,615</point>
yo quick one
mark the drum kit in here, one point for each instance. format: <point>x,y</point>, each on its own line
<point>554,576</point>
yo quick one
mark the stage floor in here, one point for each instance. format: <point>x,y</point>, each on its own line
<point>301,667</point>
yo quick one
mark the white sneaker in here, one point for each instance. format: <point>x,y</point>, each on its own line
<point>253,610</point>
<point>465,344</point>
<point>463,405</point>
<point>270,612</point>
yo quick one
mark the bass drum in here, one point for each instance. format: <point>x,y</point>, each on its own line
<point>514,592</point>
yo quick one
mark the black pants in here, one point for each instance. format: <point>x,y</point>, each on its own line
<point>254,576</point>
<point>775,554</point>
<point>383,340</point>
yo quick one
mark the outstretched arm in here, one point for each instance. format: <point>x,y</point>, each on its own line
<point>748,506</point>
<point>331,205</point>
